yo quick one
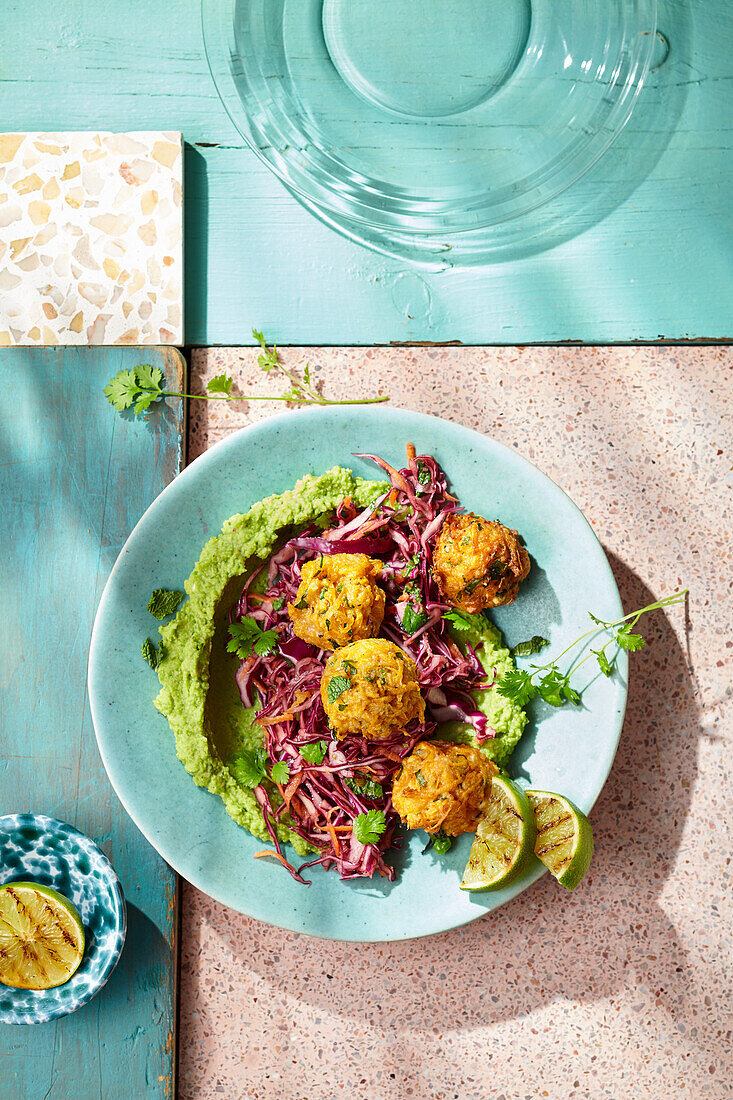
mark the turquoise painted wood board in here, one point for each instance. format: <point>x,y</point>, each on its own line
<point>642,247</point>
<point>74,479</point>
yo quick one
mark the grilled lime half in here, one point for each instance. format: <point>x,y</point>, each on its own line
<point>41,936</point>
<point>564,837</point>
<point>505,838</point>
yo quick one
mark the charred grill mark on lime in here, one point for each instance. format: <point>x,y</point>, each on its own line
<point>564,837</point>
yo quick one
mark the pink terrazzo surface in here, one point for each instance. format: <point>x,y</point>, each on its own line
<point>622,989</point>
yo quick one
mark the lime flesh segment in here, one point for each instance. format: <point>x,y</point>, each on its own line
<point>505,838</point>
<point>41,936</point>
<point>564,837</point>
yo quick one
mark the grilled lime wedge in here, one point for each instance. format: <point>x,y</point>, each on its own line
<point>564,837</point>
<point>504,838</point>
<point>41,936</point>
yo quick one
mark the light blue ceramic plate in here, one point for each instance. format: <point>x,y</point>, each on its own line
<point>34,848</point>
<point>569,750</point>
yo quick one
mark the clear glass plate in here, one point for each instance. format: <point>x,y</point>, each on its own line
<point>416,127</point>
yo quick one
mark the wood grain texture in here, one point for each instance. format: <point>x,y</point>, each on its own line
<point>74,479</point>
<point>639,250</point>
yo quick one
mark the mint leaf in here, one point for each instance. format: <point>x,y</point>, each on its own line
<point>367,788</point>
<point>369,826</point>
<point>313,753</point>
<point>532,645</point>
<point>337,685</point>
<point>414,618</point>
<point>164,602</point>
<point>151,653</point>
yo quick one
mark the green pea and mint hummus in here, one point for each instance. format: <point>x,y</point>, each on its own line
<point>199,694</point>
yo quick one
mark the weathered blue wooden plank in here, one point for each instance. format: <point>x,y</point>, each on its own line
<point>74,479</point>
<point>642,247</point>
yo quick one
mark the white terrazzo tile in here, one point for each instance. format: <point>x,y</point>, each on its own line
<point>91,238</point>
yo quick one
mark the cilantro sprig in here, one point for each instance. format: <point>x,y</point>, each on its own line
<point>314,752</point>
<point>144,385</point>
<point>551,684</point>
<point>369,826</point>
<point>247,638</point>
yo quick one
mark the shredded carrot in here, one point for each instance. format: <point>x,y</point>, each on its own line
<point>282,792</point>
<point>285,717</point>
<point>292,788</point>
<point>334,840</point>
<point>393,756</point>
<point>392,498</point>
<point>271,852</point>
<point>411,452</point>
<point>401,483</point>
<point>257,596</point>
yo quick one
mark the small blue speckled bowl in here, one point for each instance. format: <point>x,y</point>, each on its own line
<point>41,849</point>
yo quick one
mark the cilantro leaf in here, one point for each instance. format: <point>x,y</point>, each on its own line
<point>516,685</point>
<point>149,378</point>
<point>278,604</point>
<point>145,400</point>
<point>532,645</point>
<point>629,641</point>
<point>307,374</point>
<point>412,563</point>
<point>164,602</point>
<point>247,638</point>
<point>151,653</point>
<point>369,826</point>
<point>423,473</point>
<point>220,383</point>
<point>266,643</point>
<point>313,753</point>
<point>337,685</point>
<point>367,788</point>
<point>122,390</point>
<point>603,662</point>
<point>555,689</point>
<point>248,767</point>
<point>461,621</point>
<point>280,772</point>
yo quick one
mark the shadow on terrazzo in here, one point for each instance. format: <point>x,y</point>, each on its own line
<point>546,945</point>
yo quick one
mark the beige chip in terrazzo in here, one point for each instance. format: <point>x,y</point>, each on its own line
<point>91,238</point>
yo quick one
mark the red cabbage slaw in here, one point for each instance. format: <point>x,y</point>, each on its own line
<point>321,800</point>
